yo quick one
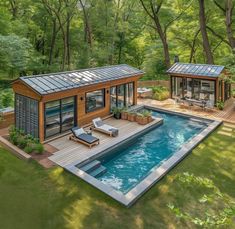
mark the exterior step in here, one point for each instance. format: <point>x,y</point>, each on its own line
<point>99,171</point>
<point>91,166</point>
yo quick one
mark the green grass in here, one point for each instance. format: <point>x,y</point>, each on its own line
<point>32,197</point>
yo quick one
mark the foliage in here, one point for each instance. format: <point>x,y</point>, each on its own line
<point>212,218</point>
<point>6,98</point>
<point>160,93</point>
<point>38,148</point>
<point>14,54</point>
<point>50,36</point>
<point>220,105</point>
<point>146,113</point>
<point>25,141</point>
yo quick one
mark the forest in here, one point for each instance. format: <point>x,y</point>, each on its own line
<point>41,36</point>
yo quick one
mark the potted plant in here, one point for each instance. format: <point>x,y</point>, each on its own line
<point>139,118</point>
<point>131,116</point>
<point>148,114</point>
<point>220,105</point>
<point>116,112</point>
<point>124,113</point>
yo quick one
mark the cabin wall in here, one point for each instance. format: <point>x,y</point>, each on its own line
<point>80,93</point>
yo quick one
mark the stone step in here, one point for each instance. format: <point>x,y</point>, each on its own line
<point>227,129</point>
<point>91,166</point>
<point>225,133</point>
<point>98,172</point>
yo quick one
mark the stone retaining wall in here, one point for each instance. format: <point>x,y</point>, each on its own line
<point>14,149</point>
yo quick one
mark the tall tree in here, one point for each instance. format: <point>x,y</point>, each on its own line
<point>227,9</point>
<point>153,12</point>
<point>205,40</point>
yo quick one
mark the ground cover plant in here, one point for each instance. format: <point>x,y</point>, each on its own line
<point>25,141</point>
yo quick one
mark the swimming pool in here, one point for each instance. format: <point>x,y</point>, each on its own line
<point>129,164</point>
<point>126,170</point>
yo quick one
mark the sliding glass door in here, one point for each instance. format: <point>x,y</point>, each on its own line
<point>59,116</point>
<point>122,95</point>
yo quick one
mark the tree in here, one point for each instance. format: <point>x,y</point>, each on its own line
<point>206,43</point>
<point>15,54</point>
<point>227,10</point>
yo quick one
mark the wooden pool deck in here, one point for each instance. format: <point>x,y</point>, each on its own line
<point>70,152</point>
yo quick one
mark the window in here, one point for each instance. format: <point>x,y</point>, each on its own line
<point>26,111</point>
<point>122,95</point>
<point>59,116</point>
<point>95,100</point>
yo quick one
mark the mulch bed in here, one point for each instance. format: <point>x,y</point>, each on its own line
<point>42,159</point>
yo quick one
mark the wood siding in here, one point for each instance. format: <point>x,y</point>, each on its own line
<point>82,117</point>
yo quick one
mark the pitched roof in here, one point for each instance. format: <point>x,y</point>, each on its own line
<point>207,70</point>
<point>54,82</point>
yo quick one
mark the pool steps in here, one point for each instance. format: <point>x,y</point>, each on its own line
<point>94,168</point>
<point>91,166</point>
<point>99,171</point>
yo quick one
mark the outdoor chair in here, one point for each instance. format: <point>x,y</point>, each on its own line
<point>100,126</point>
<point>79,135</point>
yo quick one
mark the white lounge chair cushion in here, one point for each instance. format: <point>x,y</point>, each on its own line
<point>107,128</point>
<point>79,131</point>
<point>97,122</point>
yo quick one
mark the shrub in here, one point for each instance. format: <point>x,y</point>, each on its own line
<point>220,105</point>
<point>22,142</point>
<point>28,149</point>
<point>25,141</point>
<point>160,93</point>
<point>38,148</point>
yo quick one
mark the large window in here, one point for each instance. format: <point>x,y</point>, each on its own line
<point>122,95</point>
<point>95,100</point>
<point>59,116</point>
<point>197,89</point>
<point>26,114</point>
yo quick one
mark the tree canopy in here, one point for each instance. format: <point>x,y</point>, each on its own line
<point>39,36</point>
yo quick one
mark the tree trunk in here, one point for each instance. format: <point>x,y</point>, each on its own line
<point>164,42</point>
<point>68,39</point>
<point>205,40</point>
<point>53,39</point>
<point>229,12</point>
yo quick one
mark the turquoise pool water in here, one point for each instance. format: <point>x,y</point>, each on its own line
<point>130,164</point>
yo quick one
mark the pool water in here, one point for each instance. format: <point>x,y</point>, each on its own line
<point>128,165</point>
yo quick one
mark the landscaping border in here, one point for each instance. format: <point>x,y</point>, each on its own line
<point>14,149</point>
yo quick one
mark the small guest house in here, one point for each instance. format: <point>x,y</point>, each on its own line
<point>49,105</point>
<point>199,82</point>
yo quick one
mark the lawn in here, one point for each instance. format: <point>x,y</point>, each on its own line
<point>32,197</point>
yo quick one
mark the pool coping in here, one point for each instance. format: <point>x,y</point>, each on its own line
<point>130,197</point>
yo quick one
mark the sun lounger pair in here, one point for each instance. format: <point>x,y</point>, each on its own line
<point>79,134</point>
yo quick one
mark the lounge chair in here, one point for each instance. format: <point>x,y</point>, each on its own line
<point>100,126</point>
<point>79,135</point>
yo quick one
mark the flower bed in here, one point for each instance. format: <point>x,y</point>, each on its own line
<point>24,141</point>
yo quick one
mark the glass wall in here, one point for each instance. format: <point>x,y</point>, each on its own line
<point>113,97</point>
<point>198,89</point>
<point>95,100</point>
<point>122,95</point>
<point>59,116</point>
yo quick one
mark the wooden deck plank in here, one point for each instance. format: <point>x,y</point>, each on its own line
<point>70,151</point>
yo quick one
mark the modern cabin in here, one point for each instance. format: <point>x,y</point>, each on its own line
<point>50,104</point>
<point>199,82</point>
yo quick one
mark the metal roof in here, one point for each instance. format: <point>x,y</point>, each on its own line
<point>206,70</point>
<point>54,82</point>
